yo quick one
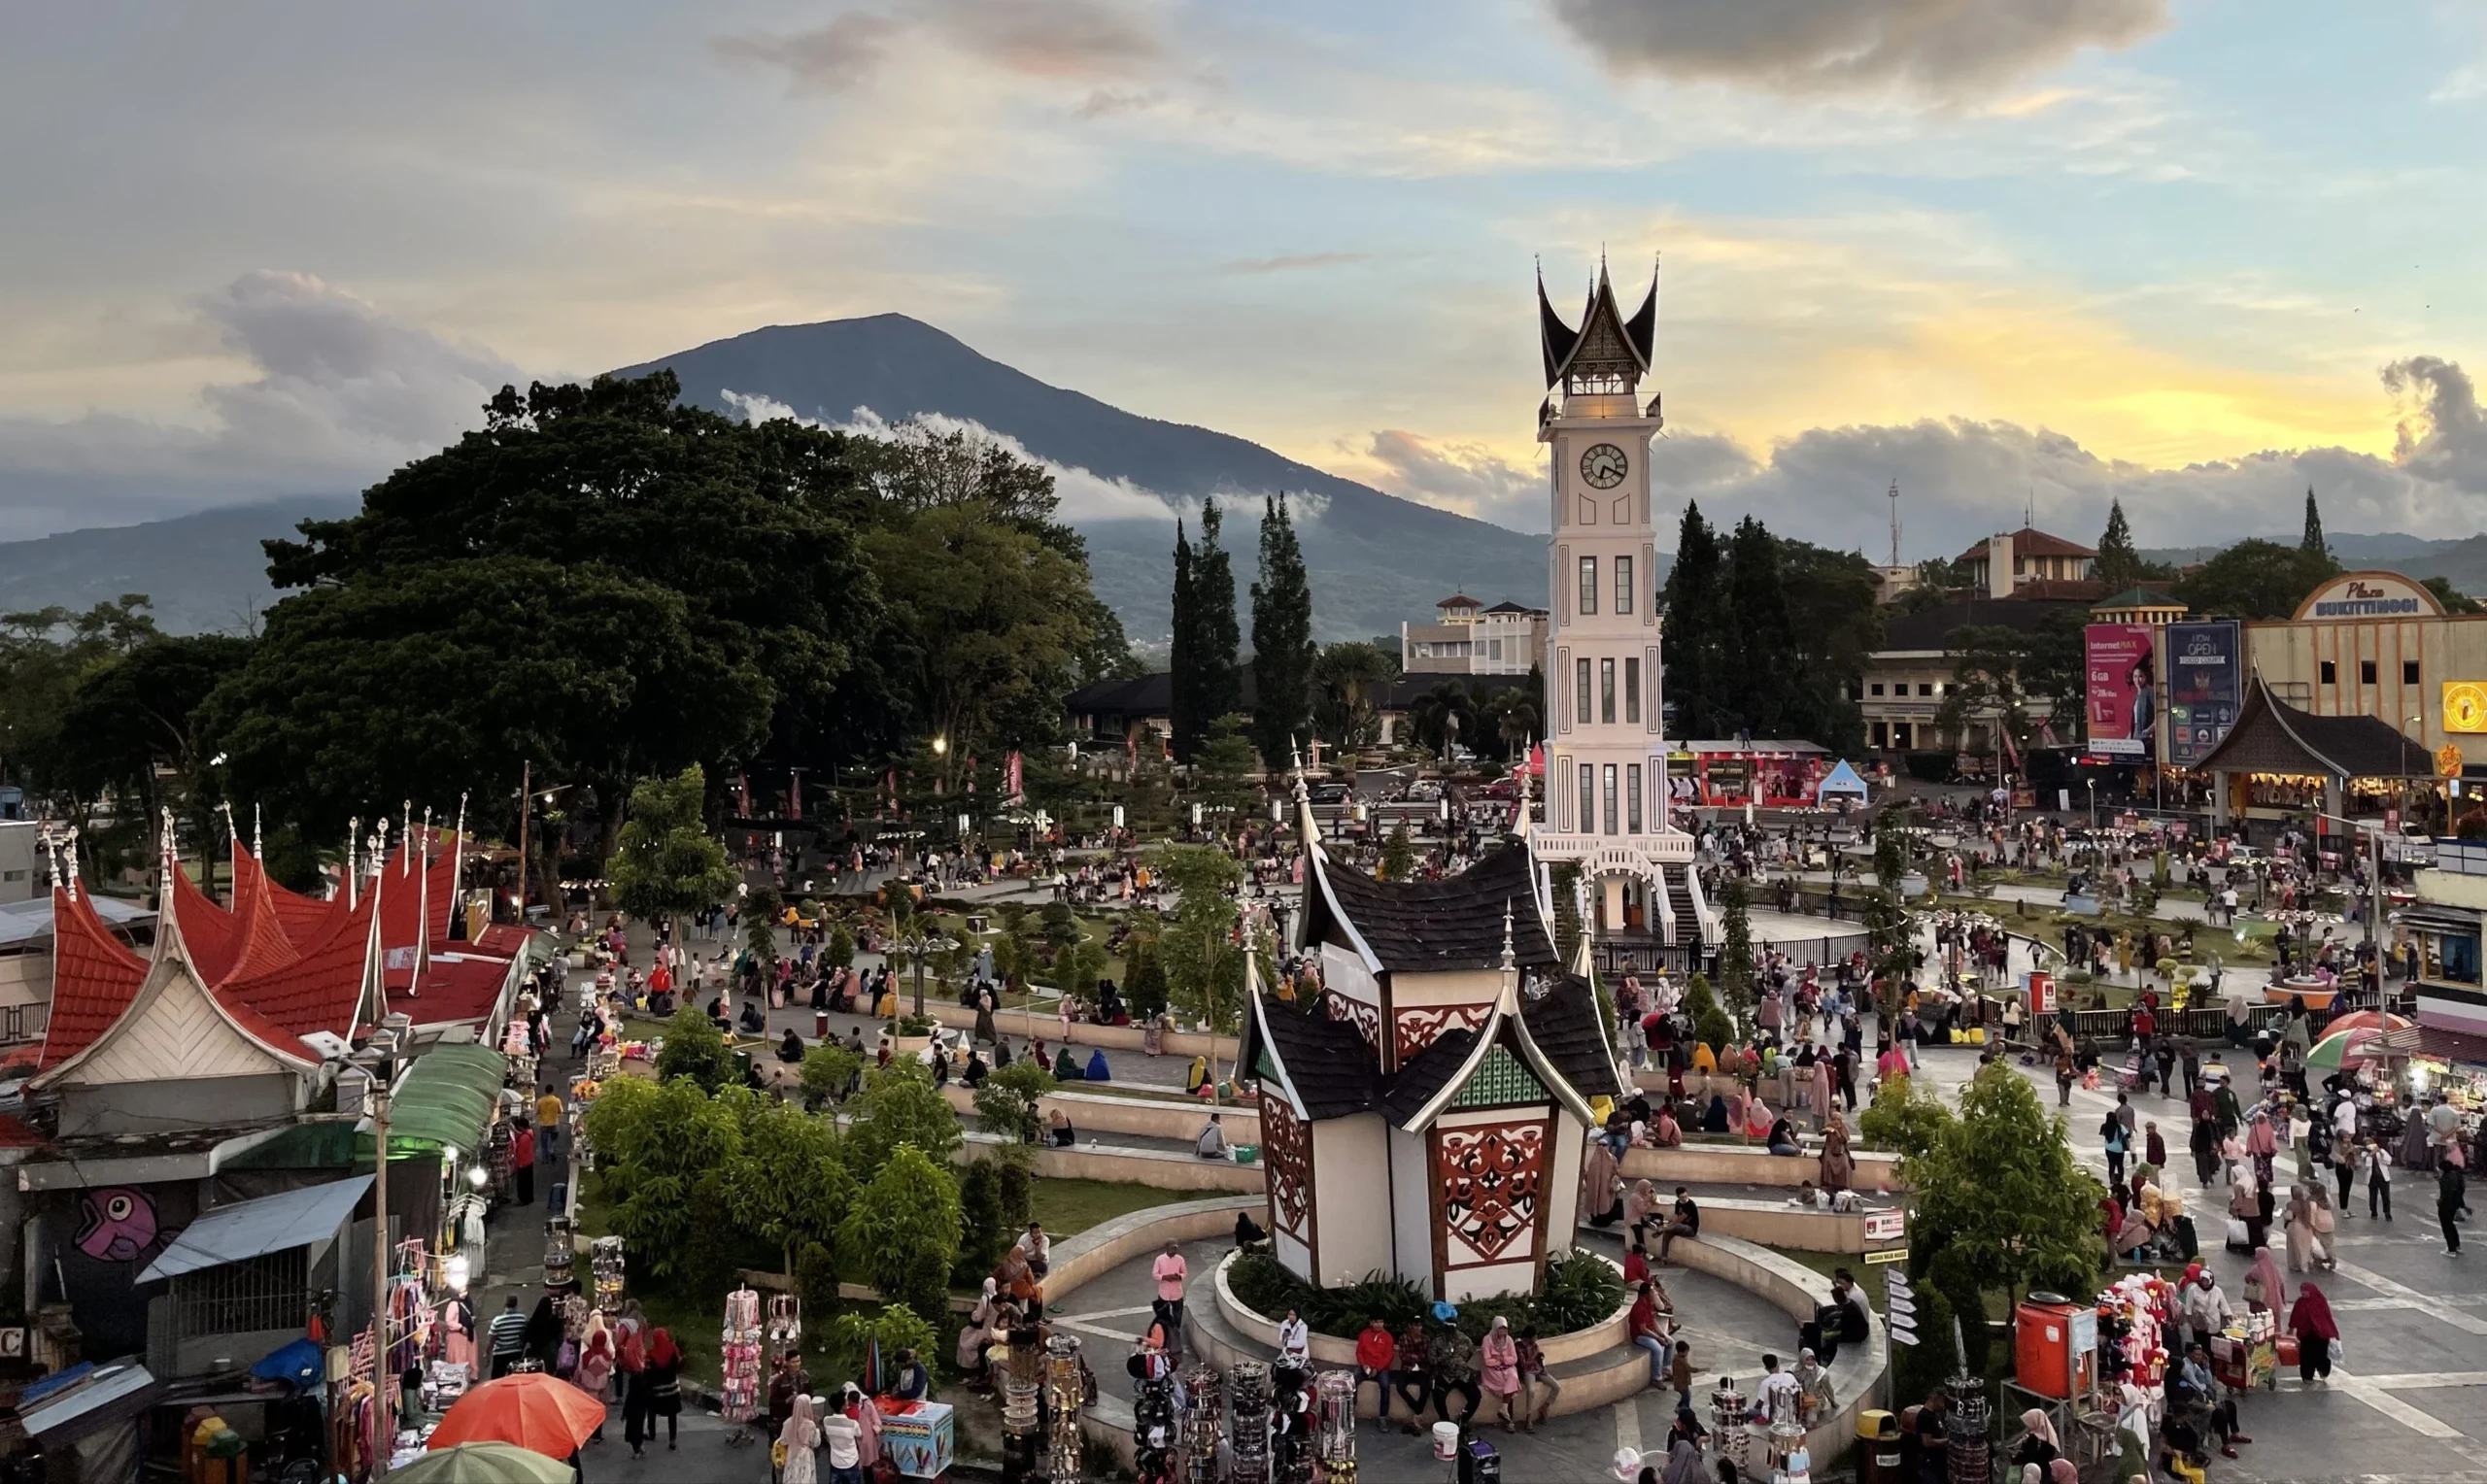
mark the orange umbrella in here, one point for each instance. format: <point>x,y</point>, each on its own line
<point>2364,1020</point>
<point>534,1410</point>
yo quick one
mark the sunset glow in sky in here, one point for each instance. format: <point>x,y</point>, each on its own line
<point>2200,253</point>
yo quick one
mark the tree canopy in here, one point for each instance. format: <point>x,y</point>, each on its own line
<point>1282,647</point>
<point>2255,579</point>
<point>666,864</point>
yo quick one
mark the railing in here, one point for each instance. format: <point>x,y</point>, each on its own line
<point>271,1292</point>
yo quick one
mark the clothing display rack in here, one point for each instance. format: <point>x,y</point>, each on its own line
<point>1248,1390</point>
<point>1065,1392</point>
<point>1203,1398</point>
<point>740,1357</point>
<point>1335,1426</point>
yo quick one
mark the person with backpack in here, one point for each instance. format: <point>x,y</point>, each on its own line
<point>2116,1137</point>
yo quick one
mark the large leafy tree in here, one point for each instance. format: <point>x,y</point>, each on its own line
<point>1203,962</point>
<point>1219,683</point>
<point>2001,1198</point>
<point>1835,623</point>
<point>904,1230</point>
<point>787,1184</point>
<point>2255,579</point>
<point>136,725</point>
<point>43,656</point>
<point>666,863</point>
<point>1282,648</point>
<point>899,1106</point>
<point>666,1154</point>
<point>423,680</point>
<point>1763,637</point>
<point>2310,544</point>
<point>1350,678</point>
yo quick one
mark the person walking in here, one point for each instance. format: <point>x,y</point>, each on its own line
<point>508,1338</point>
<point>2374,1162</point>
<point>1169,1271</point>
<point>2310,1320</point>
<point>664,1386</point>
<point>522,1163</point>
<point>2450,1189</point>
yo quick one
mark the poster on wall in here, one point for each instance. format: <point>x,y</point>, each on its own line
<point>2121,689</point>
<point>2205,687</point>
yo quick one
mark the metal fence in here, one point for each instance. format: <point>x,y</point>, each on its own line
<point>271,1292</point>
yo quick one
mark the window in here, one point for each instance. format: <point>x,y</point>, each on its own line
<point>2330,673</point>
<point>1876,688</point>
<point>1632,692</point>
<point>1632,797</point>
<point>2409,672</point>
<point>1925,687</point>
<point>1900,738</point>
<point>1493,649</point>
<point>1588,584</point>
<point>1623,585</point>
<point>1882,736</point>
<point>2365,672</point>
<point>1588,798</point>
<point>1606,691</point>
<point>1580,690</point>
<point>1610,800</point>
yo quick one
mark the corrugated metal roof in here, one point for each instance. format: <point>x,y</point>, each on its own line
<point>251,1228</point>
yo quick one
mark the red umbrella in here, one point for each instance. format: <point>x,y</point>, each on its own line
<point>535,1411</point>
<point>2364,1020</point>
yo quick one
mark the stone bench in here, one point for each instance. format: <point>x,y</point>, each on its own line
<point>1777,1223</point>
<point>1162,1169</point>
<point>1856,1377</point>
<point>1748,1164</point>
<point>1156,1118</point>
<point>1041,1024</point>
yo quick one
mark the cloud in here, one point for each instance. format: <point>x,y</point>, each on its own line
<point>343,394</point>
<point>1469,478</point>
<point>1291,263</point>
<point>1073,41</point>
<point>1937,48</point>
<point>1962,478</point>
<point>1087,497</point>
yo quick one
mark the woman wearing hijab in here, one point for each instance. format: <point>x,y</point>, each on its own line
<point>1098,1070</point>
<point>2265,1290</point>
<point>543,1337</point>
<point>664,1386</point>
<point>1599,1178</point>
<point>2261,1144</point>
<point>1498,1363</point>
<point>2310,1320</point>
<point>1815,1399</point>
<point>596,1360</point>
<point>2062,1471</point>
<point>1838,1166</point>
<point>2321,1220</point>
<point>2038,1444</point>
<point>1685,1465</point>
<point>2300,1226</point>
<point>854,1404</point>
<point>800,1442</point>
<point>1640,1207</point>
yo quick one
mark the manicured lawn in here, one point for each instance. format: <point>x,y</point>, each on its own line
<point>1071,1207</point>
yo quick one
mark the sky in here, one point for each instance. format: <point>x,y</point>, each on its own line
<point>2015,254</point>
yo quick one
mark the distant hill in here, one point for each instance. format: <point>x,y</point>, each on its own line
<point>1375,560</point>
<point>2461,560</point>
<point>205,572</point>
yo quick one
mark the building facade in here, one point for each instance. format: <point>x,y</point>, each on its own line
<point>1606,769</point>
<point>1467,638</point>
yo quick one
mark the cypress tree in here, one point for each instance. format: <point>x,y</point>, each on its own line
<point>1221,640</point>
<point>1282,647</point>
<point>2119,561</point>
<point>1183,653</point>
<point>1694,625</point>
<point>1760,637</point>
<point>2311,542</point>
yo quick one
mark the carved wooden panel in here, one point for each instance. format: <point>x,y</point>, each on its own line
<point>1415,1030</point>
<point>1366,1018</point>
<point>1492,1186</point>
<point>1286,1149</point>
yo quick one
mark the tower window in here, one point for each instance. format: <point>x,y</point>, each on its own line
<point>1588,798</point>
<point>1588,584</point>
<point>1623,585</point>
<point>1580,690</point>
<point>1632,796</point>
<point>1610,800</point>
<point>1632,692</point>
<point>1606,691</point>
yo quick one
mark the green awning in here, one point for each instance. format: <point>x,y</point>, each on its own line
<point>446,1098</point>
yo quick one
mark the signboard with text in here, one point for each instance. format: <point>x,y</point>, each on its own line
<point>2205,687</point>
<point>2121,689</point>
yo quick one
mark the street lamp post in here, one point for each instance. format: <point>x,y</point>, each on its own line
<point>2093,801</point>
<point>915,944</point>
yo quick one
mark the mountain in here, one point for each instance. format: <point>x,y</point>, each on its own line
<point>2461,560</point>
<point>1373,559</point>
<point>205,572</point>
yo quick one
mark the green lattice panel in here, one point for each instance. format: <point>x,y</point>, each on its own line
<point>1500,1081</point>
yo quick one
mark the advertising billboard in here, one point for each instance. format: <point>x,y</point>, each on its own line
<point>2205,687</point>
<point>2121,689</point>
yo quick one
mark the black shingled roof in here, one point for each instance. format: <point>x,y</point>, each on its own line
<point>1456,922</point>
<point>1332,1068</point>
<point>1420,1080</point>
<point>1563,1022</point>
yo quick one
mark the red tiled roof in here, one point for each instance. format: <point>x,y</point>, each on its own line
<point>95,977</point>
<point>261,946</point>
<point>319,990</point>
<point>503,940</point>
<point>458,988</point>
<point>2029,541</point>
<point>402,900</point>
<point>213,936</point>
<point>261,1029</point>
<point>307,920</point>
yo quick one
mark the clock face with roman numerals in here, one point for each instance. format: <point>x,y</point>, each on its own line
<point>1603,466</point>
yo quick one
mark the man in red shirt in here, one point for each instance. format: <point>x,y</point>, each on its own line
<point>1376,1353</point>
<point>522,1163</point>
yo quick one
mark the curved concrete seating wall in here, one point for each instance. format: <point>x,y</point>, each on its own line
<point>1777,1223</point>
<point>1080,1259</point>
<point>1041,1024</point>
<point>1856,1377</point>
<point>1162,1169</point>
<point>1731,1164</point>
<point>1341,1351</point>
<point>1145,1117</point>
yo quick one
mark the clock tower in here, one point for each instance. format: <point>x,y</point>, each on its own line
<point>1606,754</point>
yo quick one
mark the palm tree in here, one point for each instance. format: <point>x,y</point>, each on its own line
<point>1441,713</point>
<point>1351,678</point>
<point>1512,714</point>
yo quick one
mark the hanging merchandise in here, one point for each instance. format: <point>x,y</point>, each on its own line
<point>1729,1418</point>
<point>1023,1371</point>
<point>560,1252</point>
<point>604,1260</point>
<point>1291,1422</point>
<point>1335,1428</point>
<point>739,1358</point>
<point>1153,1420</point>
<point>1249,1404</point>
<point>785,1323</point>
<point>1203,1397</point>
<point>1964,1426</point>
<point>1065,1394</point>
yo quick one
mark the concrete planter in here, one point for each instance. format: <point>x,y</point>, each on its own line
<point>1333,1350</point>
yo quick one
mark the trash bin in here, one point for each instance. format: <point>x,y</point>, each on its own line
<point>1878,1447</point>
<point>820,1026</point>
